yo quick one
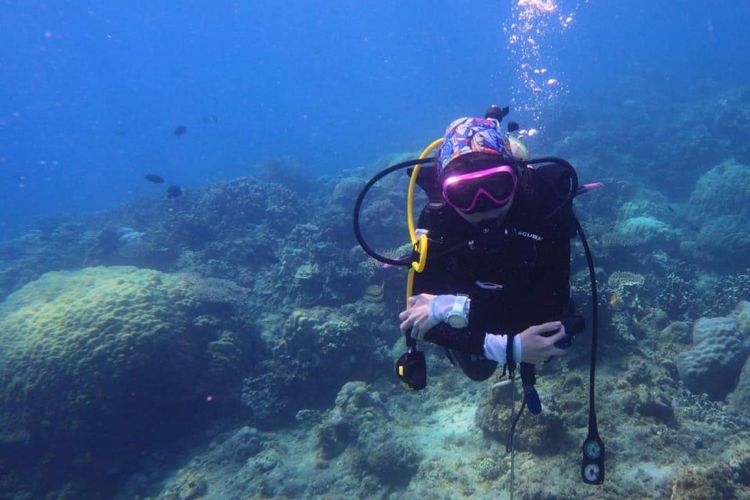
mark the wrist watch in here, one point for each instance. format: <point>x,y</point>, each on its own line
<point>458,316</point>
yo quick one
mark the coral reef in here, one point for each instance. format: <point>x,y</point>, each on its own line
<point>722,480</point>
<point>719,350</point>
<point>358,452</point>
<point>625,287</point>
<point>252,354</point>
<point>739,399</point>
<point>723,190</point>
<point>358,421</point>
<point>97,362</point>
<point>719,211</point>
<point>645,230</point>
<point>539,434</point>
<point>356,404</point>
<point>305,347</point>
<point>384,454</point>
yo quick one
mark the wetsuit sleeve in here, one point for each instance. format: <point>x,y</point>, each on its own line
<point>464,340</point>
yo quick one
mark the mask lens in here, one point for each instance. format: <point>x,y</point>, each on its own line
<point>461,194</point>
<point>463,191</point>
<point>500,186</point>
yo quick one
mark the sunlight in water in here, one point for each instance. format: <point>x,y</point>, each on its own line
<point>535,25</point>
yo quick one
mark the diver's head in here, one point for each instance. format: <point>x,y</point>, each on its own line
<point>476,171</point>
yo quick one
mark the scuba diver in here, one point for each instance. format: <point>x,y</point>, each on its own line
<point>489,273</point>
<point>510,285</point>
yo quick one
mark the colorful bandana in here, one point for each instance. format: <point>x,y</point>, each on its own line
<point>472,135</point>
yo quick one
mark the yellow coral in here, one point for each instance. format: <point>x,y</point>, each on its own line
<point>81,346</point>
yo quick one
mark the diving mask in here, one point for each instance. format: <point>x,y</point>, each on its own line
<point>495,184</point>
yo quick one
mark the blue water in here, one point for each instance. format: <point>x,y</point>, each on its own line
<point>90,92</point>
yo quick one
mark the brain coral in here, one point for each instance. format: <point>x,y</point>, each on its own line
<point>723,190</point>
<point>718,209</point>
<point>720,348</point>
<point>101,358</point>
<point>725,238</point>
<point>644,230</point>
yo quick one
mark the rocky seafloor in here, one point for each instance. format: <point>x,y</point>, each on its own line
<point>236,343</point>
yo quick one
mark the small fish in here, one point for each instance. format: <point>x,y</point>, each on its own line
<point>180,130</point>
<point>155,178</point>
<point>174,192</point>
<point>210,119</point>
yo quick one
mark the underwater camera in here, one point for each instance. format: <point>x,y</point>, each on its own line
<point>411,368</point>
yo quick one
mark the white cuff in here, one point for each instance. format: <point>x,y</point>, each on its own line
<point>495,347</point>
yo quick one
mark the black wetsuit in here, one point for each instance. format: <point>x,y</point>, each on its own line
<point>517,272</point>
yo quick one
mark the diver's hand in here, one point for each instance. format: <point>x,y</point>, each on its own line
<point>417,317</point>
<point>538,342</point>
